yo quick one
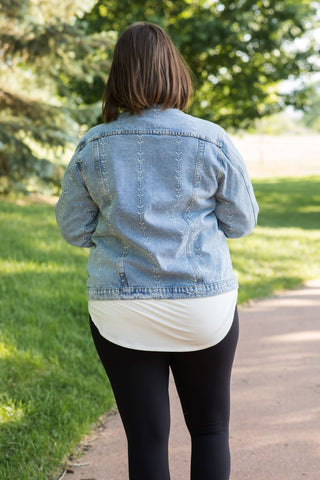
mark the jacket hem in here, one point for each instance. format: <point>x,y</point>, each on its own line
<point>182,291</point>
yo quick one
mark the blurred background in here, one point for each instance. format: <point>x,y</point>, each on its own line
<point>256,73</point>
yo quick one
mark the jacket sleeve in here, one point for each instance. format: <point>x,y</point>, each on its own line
<point>236,207</point>
<point>76,212</point>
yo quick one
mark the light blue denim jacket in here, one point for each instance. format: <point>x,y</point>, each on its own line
<point>155,196</point>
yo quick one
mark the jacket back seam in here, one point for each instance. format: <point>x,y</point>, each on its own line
<point>138,132</point>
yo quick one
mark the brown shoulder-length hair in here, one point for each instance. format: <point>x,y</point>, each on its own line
<point>146,70</point>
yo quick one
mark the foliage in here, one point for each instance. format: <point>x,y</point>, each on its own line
<point>238,51</point>
<point>54,60</point>
<point>52,384</point>
<point>41,46</point>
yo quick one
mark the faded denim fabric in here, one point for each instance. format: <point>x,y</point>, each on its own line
<point>155,196</point>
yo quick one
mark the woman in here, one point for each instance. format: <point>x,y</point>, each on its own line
<point>154,193</point>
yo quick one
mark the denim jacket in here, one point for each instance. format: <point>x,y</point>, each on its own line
<point>155,195</point>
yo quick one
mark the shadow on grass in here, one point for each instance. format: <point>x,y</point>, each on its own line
<point>289,202</point>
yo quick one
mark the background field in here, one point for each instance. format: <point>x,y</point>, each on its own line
<point>282,155</point>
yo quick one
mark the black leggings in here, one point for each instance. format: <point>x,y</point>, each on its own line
<point>139,380</point>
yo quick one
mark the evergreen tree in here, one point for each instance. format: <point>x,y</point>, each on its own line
<point>43,47</point>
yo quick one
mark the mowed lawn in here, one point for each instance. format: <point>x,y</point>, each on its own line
<point>52,385</point>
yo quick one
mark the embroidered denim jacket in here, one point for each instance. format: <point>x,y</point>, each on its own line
<point>155,196</point>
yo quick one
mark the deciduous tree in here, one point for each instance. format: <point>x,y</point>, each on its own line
<point>238,50</point>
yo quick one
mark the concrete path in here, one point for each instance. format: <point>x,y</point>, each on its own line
<point>275,421</point>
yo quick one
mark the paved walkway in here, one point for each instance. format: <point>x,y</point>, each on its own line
<point>275,423</point>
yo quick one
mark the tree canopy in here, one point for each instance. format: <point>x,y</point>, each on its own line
<point>238,50</point>
<point>55,59</point>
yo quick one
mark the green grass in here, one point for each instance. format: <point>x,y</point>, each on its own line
<point>284,250</point>
<point>52,385</point>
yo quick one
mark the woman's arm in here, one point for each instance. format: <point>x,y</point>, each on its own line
<point>236,207</point>
<point>76,213</point>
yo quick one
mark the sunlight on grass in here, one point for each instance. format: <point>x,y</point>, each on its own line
<point>5,351</point>
<point>309,208</point>
<point>11,267</point>
<point>10,412</point>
